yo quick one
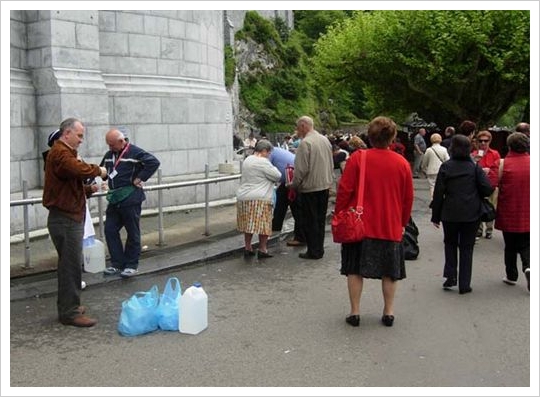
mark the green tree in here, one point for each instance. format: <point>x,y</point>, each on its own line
<point>446,65</point>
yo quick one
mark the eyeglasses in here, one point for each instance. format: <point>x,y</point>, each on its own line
<point>483,140</point>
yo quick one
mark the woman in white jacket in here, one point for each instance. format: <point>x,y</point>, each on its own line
<point>434,156</point>
<point>254,198</point>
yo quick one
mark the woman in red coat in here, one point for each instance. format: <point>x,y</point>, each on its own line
<point>513,207</point>
<point>388,199</point>
<point>486,158</point>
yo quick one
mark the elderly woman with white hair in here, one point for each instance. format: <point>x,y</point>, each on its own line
<point>254,198</point>
<point>434,156</point>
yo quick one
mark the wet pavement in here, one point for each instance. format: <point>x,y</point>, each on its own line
<point>280,322</point>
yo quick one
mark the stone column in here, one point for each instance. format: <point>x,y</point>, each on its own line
<point>63,56</point>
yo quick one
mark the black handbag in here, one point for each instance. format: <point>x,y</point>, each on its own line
<point>488,212</point>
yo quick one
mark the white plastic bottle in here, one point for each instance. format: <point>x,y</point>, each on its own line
<point>93,255</point>
<point>193,310</point>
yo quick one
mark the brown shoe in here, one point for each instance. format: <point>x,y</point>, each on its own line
<point>80,321</point>
<point>295,243</point>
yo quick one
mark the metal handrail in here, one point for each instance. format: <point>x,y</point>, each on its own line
<point>194,182</point>
<point>99,195</point>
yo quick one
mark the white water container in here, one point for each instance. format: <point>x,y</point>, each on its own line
<point>93,255</point>
<point>193,310</point>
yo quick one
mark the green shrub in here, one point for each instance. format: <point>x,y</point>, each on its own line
<point>230,66</point>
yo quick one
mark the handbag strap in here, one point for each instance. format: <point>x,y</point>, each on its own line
<point>437,154</point>
<point>362,178</point>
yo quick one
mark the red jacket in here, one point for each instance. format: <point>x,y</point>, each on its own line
<point>489,159</point>
<point>388,192</point>
<point>513,205</point>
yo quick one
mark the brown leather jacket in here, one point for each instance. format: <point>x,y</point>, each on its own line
<point>64,174</point>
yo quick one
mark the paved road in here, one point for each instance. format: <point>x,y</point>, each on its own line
<point>280,322</point>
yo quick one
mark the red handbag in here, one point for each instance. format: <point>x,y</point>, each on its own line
<point>347,224</point>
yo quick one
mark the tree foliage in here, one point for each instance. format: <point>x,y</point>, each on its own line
<point>446,65</point>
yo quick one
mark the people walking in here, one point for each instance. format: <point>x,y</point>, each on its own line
<point>64,195</point>
<point>388,200</point>
<point>486,158</point>
<point>128,166</point>
<point>254,198</point>
<point>313,176</point>
<point>459,189</point>
<point>512,176</point>
<point>420,146</point>
<point>433,158</point>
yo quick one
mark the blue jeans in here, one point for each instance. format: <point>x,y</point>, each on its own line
<point>67,235</point>
<point>123,217</point>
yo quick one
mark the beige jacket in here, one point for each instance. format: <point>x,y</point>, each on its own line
<point>313,164</point>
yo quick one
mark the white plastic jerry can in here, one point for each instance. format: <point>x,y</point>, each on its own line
<point>93,255</point>
<point>194,310</point>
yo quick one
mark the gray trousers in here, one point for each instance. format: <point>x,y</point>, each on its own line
<point>67,236</point>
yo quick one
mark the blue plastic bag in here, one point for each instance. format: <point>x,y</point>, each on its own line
<point>139,313</point>
<point>169,305</point>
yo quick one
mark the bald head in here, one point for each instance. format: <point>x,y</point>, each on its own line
<point>115,140</point>
<point>524,128</point>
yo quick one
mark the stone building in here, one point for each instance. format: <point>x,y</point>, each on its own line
<point>159,74</point>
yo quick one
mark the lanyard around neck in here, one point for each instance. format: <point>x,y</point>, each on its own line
<point>120,156</point>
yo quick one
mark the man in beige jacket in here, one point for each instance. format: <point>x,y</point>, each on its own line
<point>313,167</point>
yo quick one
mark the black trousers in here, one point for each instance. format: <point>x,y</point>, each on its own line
<point>313,220</point>
<point>514,244</point>
<point>280,210</point>
<point>67,235</point>
<point>459,236</point>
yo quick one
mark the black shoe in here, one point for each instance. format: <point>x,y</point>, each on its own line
<point>248,253</point>
<point>528,276</point>
<point>353,319</point>
<point>305,255</point>
<point>449,283</point>
<point>388,320</point>
<point>465,291</point>
<point>262,254</point>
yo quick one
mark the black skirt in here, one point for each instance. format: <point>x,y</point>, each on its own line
<point>373,258</point>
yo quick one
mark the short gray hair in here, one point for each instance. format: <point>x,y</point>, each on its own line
<point>305,120</point>
<point>263,144</point>
<point>68,124</point>
<point>518,142</point>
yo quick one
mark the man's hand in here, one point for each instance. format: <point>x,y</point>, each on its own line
<point>137,182</point>
<point>103,172</point>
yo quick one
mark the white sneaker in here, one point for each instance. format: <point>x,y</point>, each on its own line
<point>83,285</point>
<point>509,282</point>
<point>128,272</point>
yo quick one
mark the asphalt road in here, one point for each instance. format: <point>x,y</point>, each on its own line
<point>280,322</point>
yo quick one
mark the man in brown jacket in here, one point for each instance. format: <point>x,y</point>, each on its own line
<point>64,195</point>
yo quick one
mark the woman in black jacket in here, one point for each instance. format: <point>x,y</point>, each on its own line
<point>459,189</point>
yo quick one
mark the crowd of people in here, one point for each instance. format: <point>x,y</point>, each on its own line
<point>461,170</point>
<point>300,177</point>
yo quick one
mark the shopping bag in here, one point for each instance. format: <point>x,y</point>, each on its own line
<point>139,313</point>
<point>169,305</point>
